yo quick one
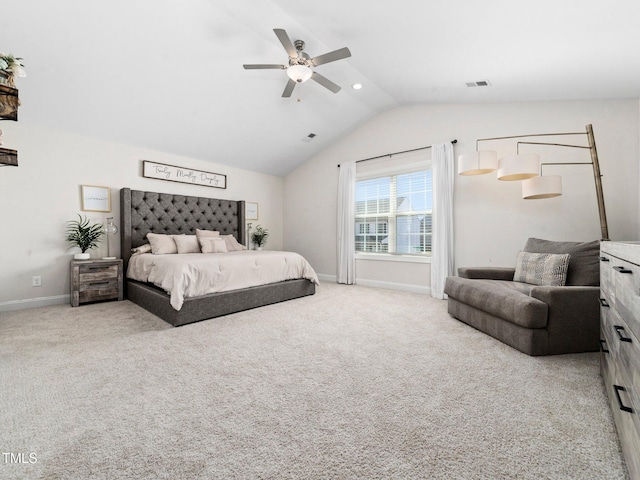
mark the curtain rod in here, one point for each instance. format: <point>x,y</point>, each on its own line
<point>397,153</point>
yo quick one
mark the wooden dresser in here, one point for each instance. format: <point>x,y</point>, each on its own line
<point>96,280</point>
<point>620,348</point>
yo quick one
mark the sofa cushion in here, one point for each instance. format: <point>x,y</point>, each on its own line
<point>584,266</point>
<point>504,299</point>
<point>542,268</point>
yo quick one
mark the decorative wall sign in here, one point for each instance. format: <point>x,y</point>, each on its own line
<point>251,211</point>
<point>172,173</point>
<point>96,199</point>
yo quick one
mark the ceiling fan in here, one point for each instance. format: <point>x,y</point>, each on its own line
<point>300,65</point>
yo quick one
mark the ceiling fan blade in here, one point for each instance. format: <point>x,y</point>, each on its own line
<point>331,56</point>
<point>288,90</point>
<point>325,82</point>
<point>263,66</point>
<point>286,42</point>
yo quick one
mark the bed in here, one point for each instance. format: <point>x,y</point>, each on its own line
<point>143,212</point>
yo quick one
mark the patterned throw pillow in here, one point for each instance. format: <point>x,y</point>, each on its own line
<point>213,245</point>
<point>542,268</point>
<point>232,244</point>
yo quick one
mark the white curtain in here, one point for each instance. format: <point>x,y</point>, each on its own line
<point>346,224</point>
<point>442,239</point>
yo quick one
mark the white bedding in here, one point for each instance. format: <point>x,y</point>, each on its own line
<point>194,274</point>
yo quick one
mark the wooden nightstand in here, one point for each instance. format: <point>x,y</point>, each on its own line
<point>96,280</point>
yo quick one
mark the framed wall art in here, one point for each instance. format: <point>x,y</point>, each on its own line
<point>251,210</point>
<point>95,198</point>
<point>173,173</point>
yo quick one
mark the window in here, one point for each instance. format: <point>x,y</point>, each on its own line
<point>393,214</point>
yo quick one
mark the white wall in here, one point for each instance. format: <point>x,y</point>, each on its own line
<point>492,221</point>
<point>42,194</point>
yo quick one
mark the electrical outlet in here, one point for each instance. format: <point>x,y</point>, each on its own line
<point>36,281</point>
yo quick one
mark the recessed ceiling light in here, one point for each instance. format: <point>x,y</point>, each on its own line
<point>356,86</point>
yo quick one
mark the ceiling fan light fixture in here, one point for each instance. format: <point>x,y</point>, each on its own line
<point>299,73</point>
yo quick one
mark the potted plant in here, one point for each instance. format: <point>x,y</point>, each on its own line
<point>82,234</point>
<point>10,67</point>
<point>259,237</point>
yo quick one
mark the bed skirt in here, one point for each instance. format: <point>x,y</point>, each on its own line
<point>215,304</point>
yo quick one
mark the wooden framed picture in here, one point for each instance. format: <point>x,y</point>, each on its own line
<point>95,198</point>
<point>251,211</point>
<point>173,173</point>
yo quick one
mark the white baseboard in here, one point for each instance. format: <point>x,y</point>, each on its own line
<point>379,284</point>
<point>394,286</point>
<point>13,305</point>
<point>326,278</point>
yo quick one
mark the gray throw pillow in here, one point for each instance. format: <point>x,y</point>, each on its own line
<point>542,269</point>
<point>584,266</point>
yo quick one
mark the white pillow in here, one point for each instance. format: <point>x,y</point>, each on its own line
<point>206,233</point>
<point>232,243</point>
<point>146,248</point>
<point>212,245</point>
<point>162,244</point>
<point>187,243</point>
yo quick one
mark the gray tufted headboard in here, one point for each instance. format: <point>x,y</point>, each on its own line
<point>143,212</point>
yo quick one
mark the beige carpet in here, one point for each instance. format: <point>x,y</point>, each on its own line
<point>353,382</point>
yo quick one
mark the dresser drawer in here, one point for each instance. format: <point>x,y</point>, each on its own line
<point>606,274</point>
<point>91,273</point>
<point>627,293</point>
<point>627,355</point>
<point>624,349</point>
<point>91,292</point>
<point>609,319</point>
<point>607,332</point>
<point>627,419</point>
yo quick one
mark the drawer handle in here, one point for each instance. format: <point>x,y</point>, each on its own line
<point>622,338</point>
<point>604,259</point>
<point>623,270</point>
<point>99,283</point>
<point>604,303</point>
<point>602,346</point>
<point>618,389</point>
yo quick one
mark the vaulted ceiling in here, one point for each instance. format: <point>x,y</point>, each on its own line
<point>167,74</point>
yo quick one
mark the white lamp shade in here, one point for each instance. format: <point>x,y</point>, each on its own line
<point>299,73</point>
<point>519,167</point>
<point>542,187</point>
<point>477,163</point>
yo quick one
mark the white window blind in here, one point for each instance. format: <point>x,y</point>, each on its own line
<point>393,214</point>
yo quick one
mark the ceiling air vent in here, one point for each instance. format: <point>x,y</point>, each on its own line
<point>481,83</point>
<point>309,137</point>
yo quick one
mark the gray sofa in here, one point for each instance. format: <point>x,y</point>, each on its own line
<point>537,320</point>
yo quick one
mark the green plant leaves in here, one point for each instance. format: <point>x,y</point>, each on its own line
<point>81,233</point>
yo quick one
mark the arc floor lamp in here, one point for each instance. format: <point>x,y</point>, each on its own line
<point>528,168</point>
